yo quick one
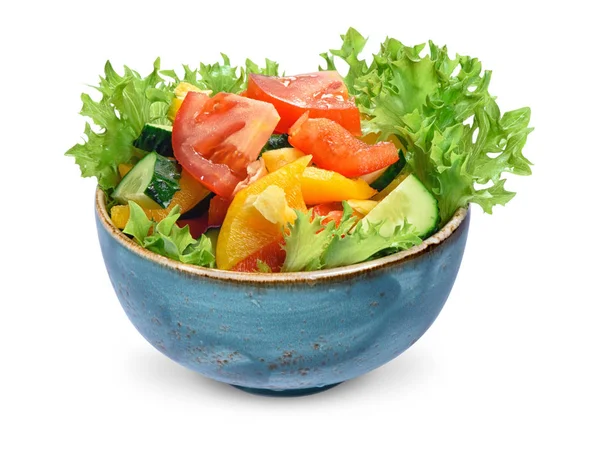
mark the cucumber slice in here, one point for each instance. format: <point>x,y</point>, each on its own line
<point>276,141</point>
<point>155,138</point>
<point>151,183</point>
<point>410,200</point>
<point>390,173</point>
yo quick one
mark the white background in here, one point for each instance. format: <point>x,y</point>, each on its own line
<point>509,369</point>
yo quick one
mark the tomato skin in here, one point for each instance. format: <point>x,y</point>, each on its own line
<point>198,226</point>
<point>272,255</point>
<point>215,139</point>
<point>334,148</point>
<point>217,210</point>
<point>321,94</point>
<point>332,211</point>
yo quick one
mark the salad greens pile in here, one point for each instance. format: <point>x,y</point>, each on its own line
<point>427,103</point>
<point>454,137</point>
<point>168,239</point>
<point>313,245</point>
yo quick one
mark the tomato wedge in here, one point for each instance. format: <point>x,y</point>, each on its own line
<point>322,94</point>
<point>217,210</point>
<point>198,226</point>
<point>334,148</point>
<point>333,211</point>
<point>215,139</point>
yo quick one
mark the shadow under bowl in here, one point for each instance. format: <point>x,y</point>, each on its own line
<point>285,334</point>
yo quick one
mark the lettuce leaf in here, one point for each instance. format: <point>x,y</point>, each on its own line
<point>310,245</point>
<point>223,77</point>
<point>168,239</point>
<point>458,143</point>
<point>128,102</point>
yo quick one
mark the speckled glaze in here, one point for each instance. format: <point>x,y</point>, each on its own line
<point>286,334</point>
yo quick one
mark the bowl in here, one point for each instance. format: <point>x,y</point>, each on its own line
<point>284,334</point>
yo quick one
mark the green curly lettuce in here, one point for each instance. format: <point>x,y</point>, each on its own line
<point>458,142</point>
<point>168,239</point>
<point>311,245</point>
<point>128,102</point>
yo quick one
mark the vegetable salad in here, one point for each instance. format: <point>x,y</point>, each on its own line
<point>241,168</point>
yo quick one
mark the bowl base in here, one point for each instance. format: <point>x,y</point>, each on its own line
<point>285,393</point>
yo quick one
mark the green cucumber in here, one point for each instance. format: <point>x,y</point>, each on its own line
<point>276,142</point>
<point>151,183</point>
<point>410,201</point>
<point>155,138</point>
<point>390,173</point>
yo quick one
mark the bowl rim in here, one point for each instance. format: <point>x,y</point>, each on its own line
<point>337,273</point>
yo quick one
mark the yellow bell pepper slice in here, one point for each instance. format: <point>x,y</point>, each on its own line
<point>362,206</point>
<point>245,229</point>
<point>320,186</point>
<point>277,158</point>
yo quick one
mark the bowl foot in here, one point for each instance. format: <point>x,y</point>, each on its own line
<point>285,393</point>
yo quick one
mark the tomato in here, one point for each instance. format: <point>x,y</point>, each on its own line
<point>197,225</point>
<point>322,94</point>
<point>272,255</point>
<point>333,211</point>
<point>334,148</point>
<point>255,171</point>
<point>217,210</point>
<point>215,139</point>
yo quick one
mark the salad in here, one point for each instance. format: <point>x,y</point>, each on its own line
<point>241,168</point>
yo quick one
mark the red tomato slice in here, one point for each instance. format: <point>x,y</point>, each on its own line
<point>217,209</point>
<point>334,148</point>
<point>333,211</point>
<point>216,138</point>
<point>272,255</point>
<point>197,225</point>
<point>322,94</point>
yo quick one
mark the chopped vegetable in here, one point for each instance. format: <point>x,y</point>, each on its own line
<point>363,207</point>
<point>168,239</point>
<point>310,246</point>
<point>128,103</point>
<point>277,158</point>
<point>276,141</point>
<point>319,186</point>
<point>321,94</point>
<point>191,193</point>
<point>268,258</point>
<point>155,137</point>
<point>215,139</point>
<point>410,202</point>
<point>427,102</point>
<point>334,148</point>
<point>245,230</point>
<point>152,183</point>
<point>396,146</point>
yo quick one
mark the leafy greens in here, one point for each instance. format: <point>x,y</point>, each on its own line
<point>427,102</point>
<point>168,239</point>
<point>312,245</point>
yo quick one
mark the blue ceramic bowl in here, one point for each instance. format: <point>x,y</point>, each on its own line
<point>283,334</point>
